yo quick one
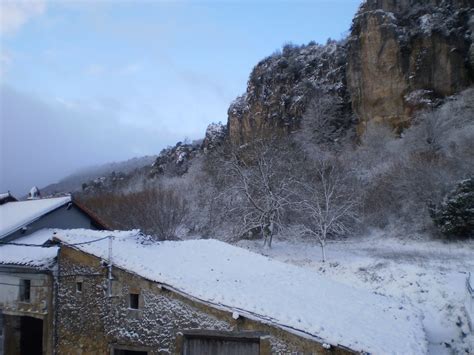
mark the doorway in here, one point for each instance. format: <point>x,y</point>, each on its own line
<point>220,345</point>
<point>31,338</point>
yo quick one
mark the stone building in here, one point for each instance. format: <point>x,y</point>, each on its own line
<point>21,218</point>
<point>128,295</point>
<point>27,283</point>
<point>28,271</point>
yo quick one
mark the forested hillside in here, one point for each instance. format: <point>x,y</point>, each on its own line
<point>326,143</point>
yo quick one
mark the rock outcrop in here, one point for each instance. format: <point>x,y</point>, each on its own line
<point>281,86</point>
<point>403,55</point>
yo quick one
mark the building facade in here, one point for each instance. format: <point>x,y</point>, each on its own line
<point>144,317</point>
<point>28,270</point>
<point>22,218</point>
<point>26,316</point>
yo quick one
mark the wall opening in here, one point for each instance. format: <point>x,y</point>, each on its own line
<point>208,343</point>
<point>31,338</point>
<point>134,302</point>
<point>25,290</point>
<point>129,352</point>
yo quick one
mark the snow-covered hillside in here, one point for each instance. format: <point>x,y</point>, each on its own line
<point>429,275</point>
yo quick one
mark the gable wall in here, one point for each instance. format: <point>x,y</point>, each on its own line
<point>40,305</point>
<point>61,218</point>
<point>91,322</point>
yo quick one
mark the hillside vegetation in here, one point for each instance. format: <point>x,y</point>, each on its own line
<point>326,142</point>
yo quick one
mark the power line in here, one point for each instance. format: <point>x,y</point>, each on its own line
<point>51,245</point>
<point>7,284</point>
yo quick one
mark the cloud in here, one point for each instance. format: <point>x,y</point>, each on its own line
<point>15,13</point>
<point>42,140</point>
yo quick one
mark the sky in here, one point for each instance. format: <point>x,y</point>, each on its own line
<point>88,82</point>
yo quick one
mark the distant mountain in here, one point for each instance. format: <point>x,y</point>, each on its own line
<point>73,182</point>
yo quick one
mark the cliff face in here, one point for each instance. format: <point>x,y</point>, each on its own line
<point>281,86</point>
<point>401,55</point>
<point>404,54</point>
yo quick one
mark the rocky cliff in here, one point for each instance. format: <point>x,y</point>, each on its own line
<point>281,86</point>
<point>400,56</point>
<point>403,55</point>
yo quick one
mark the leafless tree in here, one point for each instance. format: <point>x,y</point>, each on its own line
<point>325,122</point>
<point>327,202</point>
<point>259,179</point>
<point>157,211</point>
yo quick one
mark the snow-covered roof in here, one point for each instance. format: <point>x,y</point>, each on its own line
<point>15,215</point>
<point>42,258</point>
<point>4,195</point>
<point>257,287</point>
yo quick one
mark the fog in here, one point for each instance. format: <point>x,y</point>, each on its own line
<point>42,142</point>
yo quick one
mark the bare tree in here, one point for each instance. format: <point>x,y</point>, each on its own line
<point>325,122</point>
<point>158,211</point>
<point>259,179</point>
<point>327,202</point>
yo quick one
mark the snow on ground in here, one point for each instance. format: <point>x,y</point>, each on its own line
<point>14,215</point>
<point>429,275</point>
<point>294,298</point>
<point>23,255</point>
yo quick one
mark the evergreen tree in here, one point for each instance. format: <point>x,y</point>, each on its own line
<point>455,216</point>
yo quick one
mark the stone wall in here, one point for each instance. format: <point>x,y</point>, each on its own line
<point>39,306</point>
<point>90,322</point>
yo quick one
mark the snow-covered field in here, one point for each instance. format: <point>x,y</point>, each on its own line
<point>430,275</point>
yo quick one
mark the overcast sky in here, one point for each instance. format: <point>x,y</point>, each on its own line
<point>89,82</point>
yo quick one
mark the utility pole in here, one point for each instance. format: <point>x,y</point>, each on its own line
<point>110,278</point>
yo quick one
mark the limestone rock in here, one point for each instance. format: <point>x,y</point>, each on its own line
<point>404,54</point>
<point>281,86</point>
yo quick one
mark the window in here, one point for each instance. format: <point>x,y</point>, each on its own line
<point>78,286</point>
<point>134,301</point>
<point>25,290</point>
<point>129,352</point>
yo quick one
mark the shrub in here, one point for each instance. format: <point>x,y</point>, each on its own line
<point>455,215</point>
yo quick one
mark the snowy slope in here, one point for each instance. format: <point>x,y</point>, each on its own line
<point>255,286</point>
<point>429,275</point>
<point>14,215</point>
<point>42,258</point>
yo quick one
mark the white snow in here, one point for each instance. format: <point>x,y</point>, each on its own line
<point>15,215</point>
<point>4,195</point>
<point>470,302</point>
<point>235,315</point>
<point>426,23</point>
<point>43,258</point>
<point>429,275</point>
<point>34,193</point>
<point>257,287</point>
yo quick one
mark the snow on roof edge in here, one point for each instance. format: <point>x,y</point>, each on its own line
<point>35,216</point>
<point>213,296</point>
<point>242,312</point>
<point>27,256</point>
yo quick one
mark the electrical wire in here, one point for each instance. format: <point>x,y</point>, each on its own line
<point>7,284</point>
<point>52,245</point>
